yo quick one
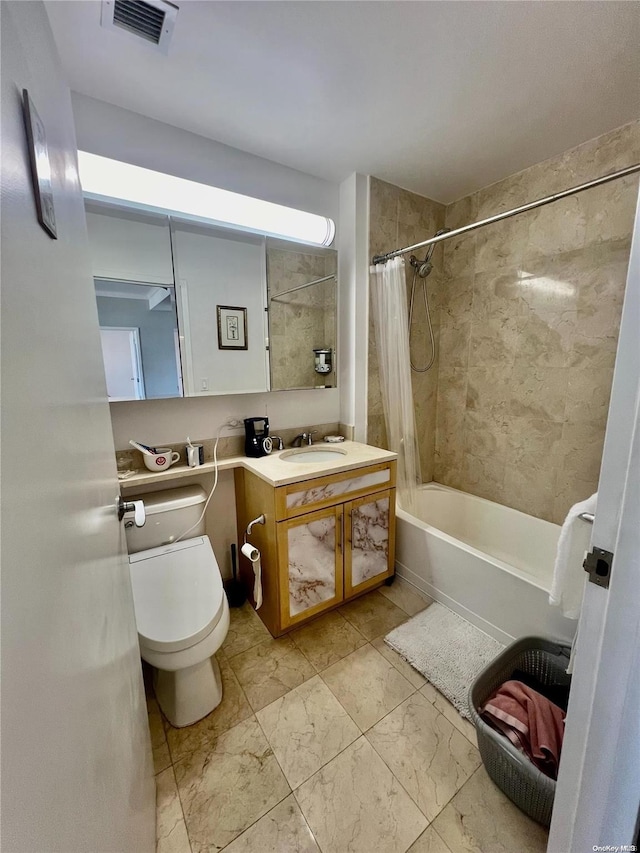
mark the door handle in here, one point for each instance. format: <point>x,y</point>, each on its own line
<point>339,532</point>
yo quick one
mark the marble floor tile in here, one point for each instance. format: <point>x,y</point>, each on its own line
<point>442,704</point>
<point>355,805</point>
<point>246,629</point>
<point>306,729</point>
<point>233,709</point>
<point>373,615</point>
<point>171,831</point>
<point>268,671</point>
<point>367,686</point>
<point>282,830</point>
<point>430,842</point>
<point>403,595</point>
<point>161,757</point>
<point>481,818</point>
<point>429,757</point>
<point>327,639</point>
<point>228,785</point>
<point>412,675</point>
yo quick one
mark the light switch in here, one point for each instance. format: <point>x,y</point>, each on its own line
<point>204,384</point>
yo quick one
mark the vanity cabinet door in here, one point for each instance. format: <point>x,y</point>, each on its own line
<point>370,537</point>
<point>311,564</point>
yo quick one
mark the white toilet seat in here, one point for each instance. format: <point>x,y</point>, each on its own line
<point>178,595</point>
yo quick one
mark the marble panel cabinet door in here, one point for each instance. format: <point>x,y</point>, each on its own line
<point>370,535</point>
<point>311,564</point>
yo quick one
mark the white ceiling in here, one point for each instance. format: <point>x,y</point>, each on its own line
<point>439,97</point>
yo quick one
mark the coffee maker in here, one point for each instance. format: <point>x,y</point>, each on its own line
<point>256,437</point>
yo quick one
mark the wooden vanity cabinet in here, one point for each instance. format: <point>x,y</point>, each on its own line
<point>324,541</point>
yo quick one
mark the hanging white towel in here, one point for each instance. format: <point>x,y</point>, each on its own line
<point>567,587</point>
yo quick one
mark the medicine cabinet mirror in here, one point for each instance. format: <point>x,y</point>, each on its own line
<point>163,286</point>
<point>302,315</point>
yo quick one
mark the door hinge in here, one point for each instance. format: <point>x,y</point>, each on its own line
<point>597,564</point>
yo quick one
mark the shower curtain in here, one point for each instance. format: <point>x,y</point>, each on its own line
<point>389,304</point>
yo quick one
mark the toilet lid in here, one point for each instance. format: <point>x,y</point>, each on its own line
<point>177,594</point>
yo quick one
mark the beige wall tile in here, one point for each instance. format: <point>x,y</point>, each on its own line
<point>397,217</point>
<point>484,476</point>
<point>527,323</point>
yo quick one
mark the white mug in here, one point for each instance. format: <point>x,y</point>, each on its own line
<point>161,460</point>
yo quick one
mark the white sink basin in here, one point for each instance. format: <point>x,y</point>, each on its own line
<point>310,454</point>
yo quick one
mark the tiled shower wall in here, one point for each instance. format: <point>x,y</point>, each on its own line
<point>528,317</point>
<point>400,218</point>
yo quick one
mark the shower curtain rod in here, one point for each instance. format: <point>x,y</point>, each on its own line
<point>301,287</point>
<point>613,176</point>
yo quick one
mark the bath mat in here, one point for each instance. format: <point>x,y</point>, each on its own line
<point>446,649</point>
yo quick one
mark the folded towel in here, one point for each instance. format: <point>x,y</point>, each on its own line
<point>532,723</point>
<point>567,586</point>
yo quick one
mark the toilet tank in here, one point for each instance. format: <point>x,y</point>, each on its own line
<point>169,513</point>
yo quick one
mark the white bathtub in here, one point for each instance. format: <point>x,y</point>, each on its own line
<point>489,563</point>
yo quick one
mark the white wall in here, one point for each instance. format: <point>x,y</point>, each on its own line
<point>76,758</point>
<point>108,130</point>
<point>169,421</point>
<point>353,318</point>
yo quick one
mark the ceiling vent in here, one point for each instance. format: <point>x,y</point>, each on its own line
<point>151,20</point>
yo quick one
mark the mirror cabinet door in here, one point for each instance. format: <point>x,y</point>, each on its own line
<point>222,299</point>
<point>302,315</point>
<point>195,310</point>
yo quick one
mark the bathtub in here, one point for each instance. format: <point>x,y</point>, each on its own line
<point>491,564</point>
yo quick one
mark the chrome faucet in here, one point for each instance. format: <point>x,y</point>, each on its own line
<point>306,437</point>
<point>278,438</point>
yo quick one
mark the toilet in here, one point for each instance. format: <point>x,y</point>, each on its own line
<point>182,613</point>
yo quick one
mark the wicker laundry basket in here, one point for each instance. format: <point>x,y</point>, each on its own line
<point>529,788</point>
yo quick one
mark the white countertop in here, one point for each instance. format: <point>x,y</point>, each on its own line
<point>273,469</point>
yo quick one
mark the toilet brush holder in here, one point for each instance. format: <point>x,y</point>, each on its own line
<point>233,588</point>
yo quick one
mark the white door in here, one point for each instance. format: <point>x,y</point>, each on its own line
<point>77,773</point>
<point>598,795</point>
<point>122,363</point>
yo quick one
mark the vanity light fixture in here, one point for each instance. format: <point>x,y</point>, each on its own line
<point>104,179</point>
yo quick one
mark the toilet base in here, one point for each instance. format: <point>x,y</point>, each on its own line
<point>187,695</point>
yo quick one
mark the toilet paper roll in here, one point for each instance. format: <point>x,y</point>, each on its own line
<point>253,555</point>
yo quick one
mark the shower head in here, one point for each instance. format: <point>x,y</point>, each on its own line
<point>423,268</point>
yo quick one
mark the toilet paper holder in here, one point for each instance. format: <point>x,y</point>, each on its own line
<point>259,520</point>
<point>136,507</point>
